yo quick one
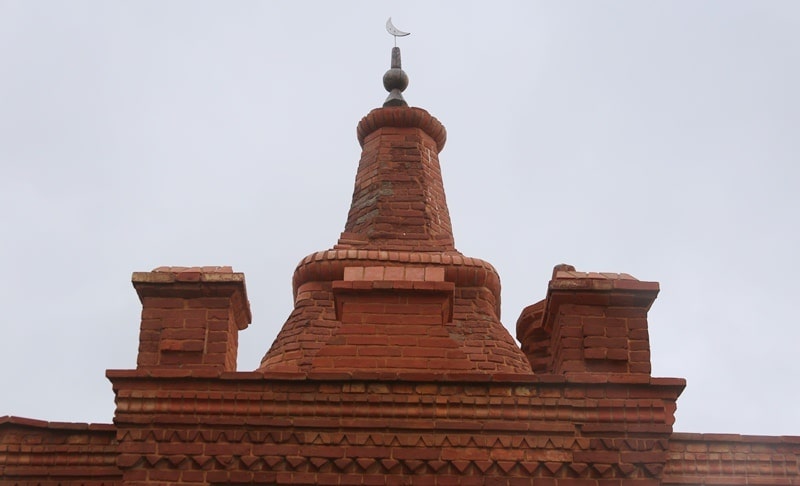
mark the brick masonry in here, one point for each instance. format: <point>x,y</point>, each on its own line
<point>191,317</point>
<point>393,368</point>
<point>52,453</point>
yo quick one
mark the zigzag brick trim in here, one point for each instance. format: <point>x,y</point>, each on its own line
<point>396,453</point>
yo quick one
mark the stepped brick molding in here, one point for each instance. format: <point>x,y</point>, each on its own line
<point>393,368</point>
<point>326,427</point>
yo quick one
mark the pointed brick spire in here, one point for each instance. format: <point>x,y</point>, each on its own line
<point>398,200</point>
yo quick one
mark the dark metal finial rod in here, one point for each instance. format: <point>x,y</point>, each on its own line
<point>395,80</point>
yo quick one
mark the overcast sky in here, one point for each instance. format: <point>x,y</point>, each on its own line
<point>654,138</point>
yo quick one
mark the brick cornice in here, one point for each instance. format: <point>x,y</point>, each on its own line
<point>329,265</point>
<point>402,117</point>
<point>8,421</point>
<point>519,403</point>
<point>196,282</point>
<point>676,384</point>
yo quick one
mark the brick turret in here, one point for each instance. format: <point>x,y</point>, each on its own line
<point>589,323</point>
<point>394,295</point>
<point>191,317</point>
<point>398,200</point>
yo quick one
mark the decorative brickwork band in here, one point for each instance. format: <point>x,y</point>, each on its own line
<point>517,429</point>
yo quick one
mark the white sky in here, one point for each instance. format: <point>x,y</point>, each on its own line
<point>654,138</point>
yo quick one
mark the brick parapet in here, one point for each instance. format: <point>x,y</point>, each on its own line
<point>244,427</point>
<point>392,375</point>
<point>732,459</point>
<point>635,408</point>
<point>50,453</point>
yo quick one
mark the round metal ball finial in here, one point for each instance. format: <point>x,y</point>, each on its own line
<point>395,78</point>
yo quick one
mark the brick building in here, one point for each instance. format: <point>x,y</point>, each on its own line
<point>393,367</point>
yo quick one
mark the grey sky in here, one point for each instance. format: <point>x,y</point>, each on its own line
<point>654,138</point>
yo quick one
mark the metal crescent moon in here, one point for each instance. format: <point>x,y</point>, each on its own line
<point>390,28</point>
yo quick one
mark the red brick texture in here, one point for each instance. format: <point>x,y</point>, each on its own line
<point>398,200</point>
<point>394,294</point>
<point>729,459</point>
<point>471,296</point>
<point>56,453</point>
<point>589,322</point>
<point>421,428</point>
<point>191,317</point>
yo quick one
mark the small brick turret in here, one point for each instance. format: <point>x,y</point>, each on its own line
<point>589,322</point>
<point>191,317</point>
<point>398,200</point>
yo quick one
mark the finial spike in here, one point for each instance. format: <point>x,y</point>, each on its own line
<point>395,80</point>
<point>396,62</point>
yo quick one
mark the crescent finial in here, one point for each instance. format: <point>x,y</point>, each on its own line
<point>394,31</point>
<point>395,80</point>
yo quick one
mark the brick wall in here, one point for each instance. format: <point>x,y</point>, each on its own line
<point>731,459</point>
<point>420,427</point>
<point>398,200</point>
<point>35,452</point>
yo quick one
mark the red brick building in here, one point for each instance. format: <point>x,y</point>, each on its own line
<point>393,367</point>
